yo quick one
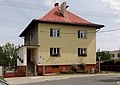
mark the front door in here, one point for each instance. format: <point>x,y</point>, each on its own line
<point>30,63</point>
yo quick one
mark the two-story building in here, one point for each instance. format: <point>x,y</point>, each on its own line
<point>115,54</point>
<point>57,41</point>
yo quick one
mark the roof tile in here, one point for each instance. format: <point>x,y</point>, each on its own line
<point>56,16</point>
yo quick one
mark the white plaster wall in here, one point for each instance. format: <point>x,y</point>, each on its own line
<point>22,53</point>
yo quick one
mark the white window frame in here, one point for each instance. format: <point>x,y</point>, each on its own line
<point>82,51</point>
<point>82,34</point>
<point>54,51</point>
<point>55,32</point>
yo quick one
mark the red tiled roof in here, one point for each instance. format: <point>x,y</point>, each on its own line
<point>56,16</point>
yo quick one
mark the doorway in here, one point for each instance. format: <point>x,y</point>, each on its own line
<point>30,63</point>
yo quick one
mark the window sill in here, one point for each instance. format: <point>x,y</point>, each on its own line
<point>55,37</point>
<point>83,55</point>
<point>82,38</point>
<point>55,55</point>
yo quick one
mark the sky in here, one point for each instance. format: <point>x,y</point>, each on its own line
<point>16,15</point>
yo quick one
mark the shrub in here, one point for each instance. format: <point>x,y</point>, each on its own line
<point>58,73</point>
<point>74,68</point>
<point>111,62</point>
<point>65,71</point>
<point>83,71</point>
<point>83,66</point>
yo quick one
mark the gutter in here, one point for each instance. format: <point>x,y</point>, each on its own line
<point>34,22</point>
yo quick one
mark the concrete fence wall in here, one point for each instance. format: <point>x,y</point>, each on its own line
<point>110,67</point>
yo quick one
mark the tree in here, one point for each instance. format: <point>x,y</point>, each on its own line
<point>1,57</point>
<point>105,55</point>
<point>10,54</point>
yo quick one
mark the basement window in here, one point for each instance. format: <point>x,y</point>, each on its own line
<point>55,66</point>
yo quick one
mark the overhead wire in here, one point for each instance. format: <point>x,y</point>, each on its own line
<point>86,32</point>
<point>39,7</point>
<point>23,5</point>
<point>43,8</point>
<point>109,30</point>
<point>96,14</point>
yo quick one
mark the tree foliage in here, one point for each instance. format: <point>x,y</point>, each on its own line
<point>8,54</point>
<point>1,57</point>
<point>105,55</point>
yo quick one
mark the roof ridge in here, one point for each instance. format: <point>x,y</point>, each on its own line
<point>55,15</point>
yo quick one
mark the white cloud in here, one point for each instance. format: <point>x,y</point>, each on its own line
<point>118,20</point>
<point>113,4</point>
<point>49,3</point>
<point>109,40</point>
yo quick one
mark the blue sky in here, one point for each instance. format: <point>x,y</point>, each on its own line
<point>15,16</point>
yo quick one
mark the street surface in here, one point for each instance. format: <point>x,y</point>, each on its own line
<point>91,80</point>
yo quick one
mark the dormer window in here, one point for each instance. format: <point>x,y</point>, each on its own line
<point>54,33</point>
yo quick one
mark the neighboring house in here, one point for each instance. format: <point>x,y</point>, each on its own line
<point>115,54</point>
<point>57,41</point>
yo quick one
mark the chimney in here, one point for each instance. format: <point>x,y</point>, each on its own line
<point>56,4</point>
<point>63,9</point>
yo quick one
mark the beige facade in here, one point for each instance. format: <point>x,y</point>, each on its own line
<point>68,42</point>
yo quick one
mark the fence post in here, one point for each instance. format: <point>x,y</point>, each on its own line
<point>1,71</point>
<point>99,63</point>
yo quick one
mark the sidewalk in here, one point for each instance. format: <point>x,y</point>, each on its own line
<point>26,80</point>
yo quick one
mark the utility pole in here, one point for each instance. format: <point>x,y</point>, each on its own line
<point>99,63</point>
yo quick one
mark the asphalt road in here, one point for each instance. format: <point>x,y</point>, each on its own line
<point>93,80</point>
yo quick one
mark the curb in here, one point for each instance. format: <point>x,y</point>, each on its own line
<point>28,80</point>
<point>3,82</point>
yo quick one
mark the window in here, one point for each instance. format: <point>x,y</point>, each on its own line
<point>82,51</point>
<point>55,66</point>
<point>112,55</point>
<point>118,55</point>
<point>30,39</point>
<point>54,33</point>
<point>82,34</point>
<point>54,52</point>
